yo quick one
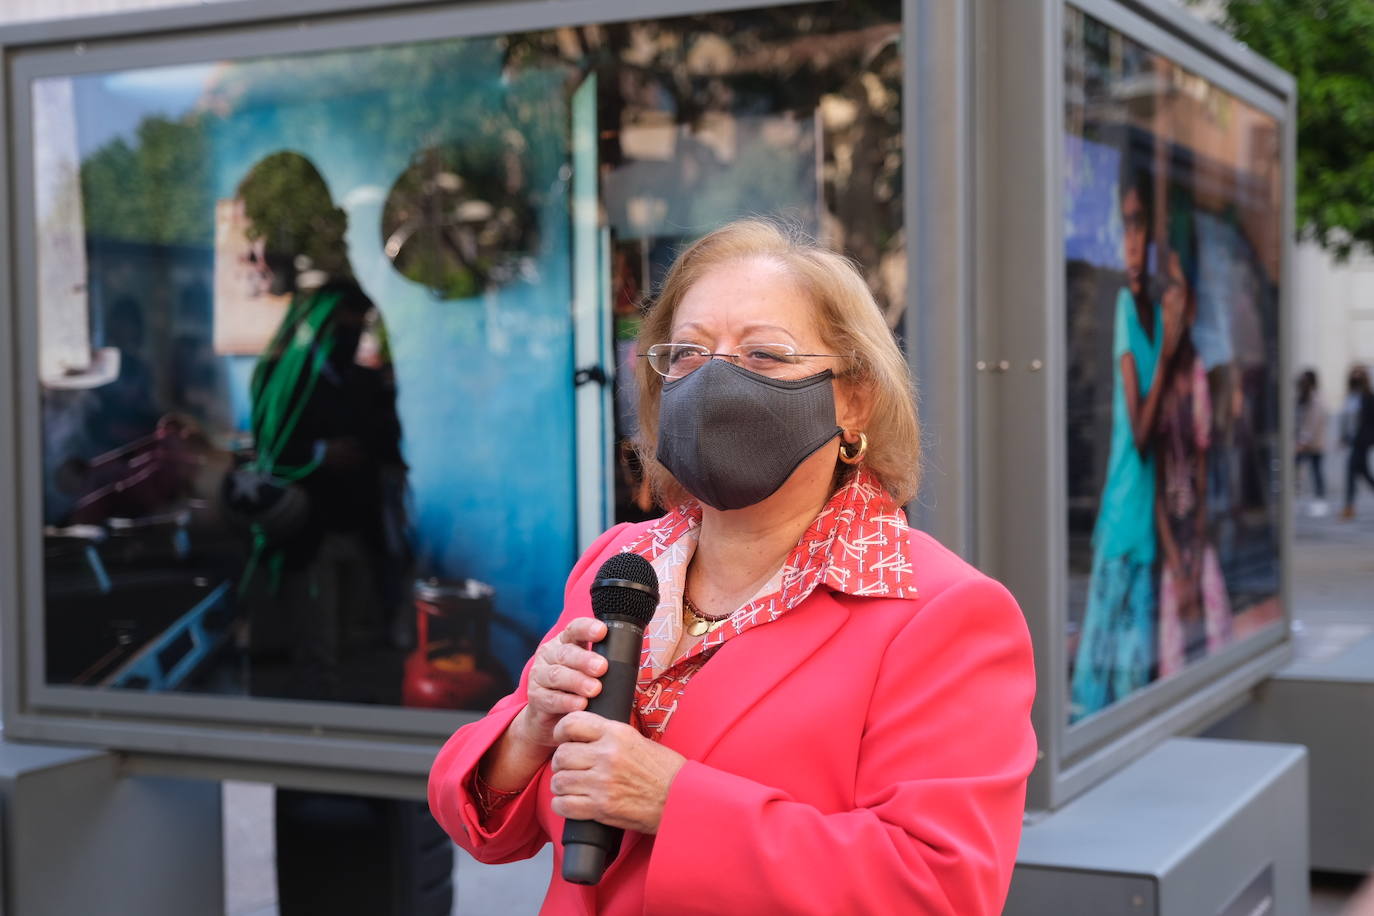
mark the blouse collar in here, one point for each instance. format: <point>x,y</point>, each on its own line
<point>858,544</point>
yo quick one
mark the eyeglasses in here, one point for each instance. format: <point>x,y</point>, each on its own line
<point>674,360</point>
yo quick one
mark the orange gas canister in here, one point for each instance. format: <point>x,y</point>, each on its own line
<point>449,668</point>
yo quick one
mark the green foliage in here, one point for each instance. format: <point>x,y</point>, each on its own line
<point>1329,46</point>
<point>156,191</point>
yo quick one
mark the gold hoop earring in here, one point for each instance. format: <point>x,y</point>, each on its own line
<point>856,456</point>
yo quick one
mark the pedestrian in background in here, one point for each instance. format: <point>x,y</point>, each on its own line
<point>1357,431</point>
<point>1310,448</point>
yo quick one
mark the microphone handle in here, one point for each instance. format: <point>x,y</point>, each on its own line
<point>590,846</point>
<point>621,648</point>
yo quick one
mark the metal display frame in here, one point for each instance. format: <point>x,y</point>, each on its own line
<point>333,746</point>
<point>984,325</point>
<point>1021,394</point>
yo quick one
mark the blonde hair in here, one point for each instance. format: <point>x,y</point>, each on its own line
<point>849,320</point>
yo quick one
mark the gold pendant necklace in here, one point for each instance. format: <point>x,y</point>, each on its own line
<point>695,622</point>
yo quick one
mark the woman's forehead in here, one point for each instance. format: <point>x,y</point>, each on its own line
<point>753,296</point>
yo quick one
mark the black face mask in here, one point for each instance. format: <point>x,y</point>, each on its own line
<point>732,437</point>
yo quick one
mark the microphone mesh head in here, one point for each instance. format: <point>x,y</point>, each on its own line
<point>623,602</point>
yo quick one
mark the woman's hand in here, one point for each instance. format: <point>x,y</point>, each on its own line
<point>564,674</point>
<point>606,771</point>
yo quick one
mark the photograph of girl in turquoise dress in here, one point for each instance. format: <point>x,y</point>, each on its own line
<point>1172,254</point>
<point>1116,652</point>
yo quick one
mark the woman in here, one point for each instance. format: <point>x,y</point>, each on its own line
<point>327,438</point>
<point>1116,653</point>
<point>1357,432</point>
<point>1194,608</point>
<point>1310,446</point>
<point>832,712</point>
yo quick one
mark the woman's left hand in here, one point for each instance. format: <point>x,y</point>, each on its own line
<point>607,771</point>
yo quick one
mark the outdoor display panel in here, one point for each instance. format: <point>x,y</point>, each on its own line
<point>1133,328</point>
<point>1081,101</point>
<point>1173,214</point>
<point>326,350</point>
<point>473,201</point>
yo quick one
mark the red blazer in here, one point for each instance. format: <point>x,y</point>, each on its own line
<point>857,755</point>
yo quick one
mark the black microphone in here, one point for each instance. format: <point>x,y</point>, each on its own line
<point>624,597</point>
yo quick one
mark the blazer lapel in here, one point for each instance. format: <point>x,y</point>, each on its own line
<point>746,668</point>
<point>742,672</point>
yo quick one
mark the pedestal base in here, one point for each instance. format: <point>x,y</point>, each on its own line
<point>1195,827</point>
<point>1327,705</point>
<point>80,837</point>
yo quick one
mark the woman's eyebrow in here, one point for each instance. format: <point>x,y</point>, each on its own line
<point>751,328</point>
<point>747,329</point>
<point>690,326</point>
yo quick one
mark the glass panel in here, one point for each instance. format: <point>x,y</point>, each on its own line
<point>1173,209</point>
<point>315,328</point>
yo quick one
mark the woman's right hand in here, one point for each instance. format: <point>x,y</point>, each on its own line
<point>565,674</point>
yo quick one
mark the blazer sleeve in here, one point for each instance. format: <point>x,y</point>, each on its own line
<point>939,789</point>
<point>514,832</point>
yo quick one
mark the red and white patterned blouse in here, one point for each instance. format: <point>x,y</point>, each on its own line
<point>858,545</point>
